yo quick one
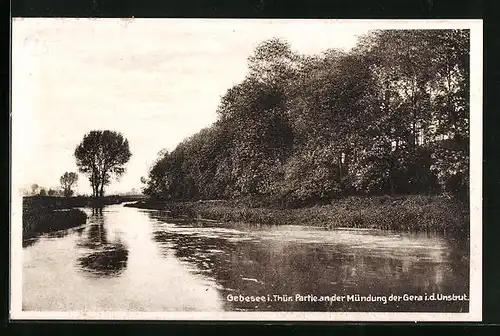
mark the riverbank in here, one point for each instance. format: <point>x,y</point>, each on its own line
<point>41,220</point>
<point>400,213</point>
<point>43,214</point>
<point>55,202</point>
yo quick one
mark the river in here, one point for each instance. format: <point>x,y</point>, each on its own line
<point>129,259</point>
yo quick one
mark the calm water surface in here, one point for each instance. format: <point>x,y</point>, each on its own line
<point>128,259</point>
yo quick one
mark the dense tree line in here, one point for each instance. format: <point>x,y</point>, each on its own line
<point>389,116</point>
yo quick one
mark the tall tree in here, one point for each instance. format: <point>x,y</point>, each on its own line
<point>390,115</point>
<point>68,179</point>
<point>100,155</point>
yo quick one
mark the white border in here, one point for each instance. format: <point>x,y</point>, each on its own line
<point>475,303</point>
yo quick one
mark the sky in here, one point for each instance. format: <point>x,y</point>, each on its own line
<point>156,81</point>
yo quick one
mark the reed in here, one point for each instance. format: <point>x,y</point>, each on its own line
<point>40,217</point>
<point>400,213</point>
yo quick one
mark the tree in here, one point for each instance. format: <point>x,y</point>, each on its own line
<point>34,189</point>
<point>389,116</point>
<point>67,181</point>
<point>43,192</point>
<point>51,192</point>
<point>100,155</point>
<point>421,108</point>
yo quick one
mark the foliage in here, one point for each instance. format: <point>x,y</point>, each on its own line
<point>68,179</point>
<point>100,155</point>
<point>34,188</point>
<point>390,116</point>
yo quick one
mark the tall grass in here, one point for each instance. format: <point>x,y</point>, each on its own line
<point>400,213</point>
<point>55,202</point>
<point>40,216</point>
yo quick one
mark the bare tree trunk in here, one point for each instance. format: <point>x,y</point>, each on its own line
<point>101,182</point>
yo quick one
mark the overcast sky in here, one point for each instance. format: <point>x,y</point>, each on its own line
<point>156,81</point>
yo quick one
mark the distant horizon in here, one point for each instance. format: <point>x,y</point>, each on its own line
<point>27,192</point>
<point>142,86</point>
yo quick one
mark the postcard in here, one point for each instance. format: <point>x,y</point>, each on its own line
<point>234,169</point>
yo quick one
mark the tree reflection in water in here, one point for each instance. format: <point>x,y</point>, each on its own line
<point>57,234</point>
<point>53,235</point>
<point>259,267</point>
<point>80,231</point>
<point>108,258</point>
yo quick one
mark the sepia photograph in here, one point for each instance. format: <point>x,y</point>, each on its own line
<point>232,169</point>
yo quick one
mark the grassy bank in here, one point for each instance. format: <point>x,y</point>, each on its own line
<point>401,213</point>
<point>54,202</point>
<point>51,213</point>
<point>40,221</point>
<point>43,214</point>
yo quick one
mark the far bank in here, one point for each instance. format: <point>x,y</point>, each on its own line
<point>42,214</point>
<point>416,213</point>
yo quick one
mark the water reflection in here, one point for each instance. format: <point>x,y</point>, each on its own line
<point>30,241</point>
<point>125,259</point>
<point>79,230</point>
<point>111,264</point>
<point>295,261</point>
<point>106,258</point>
<point>52,235</point>
<point>56,234</point>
